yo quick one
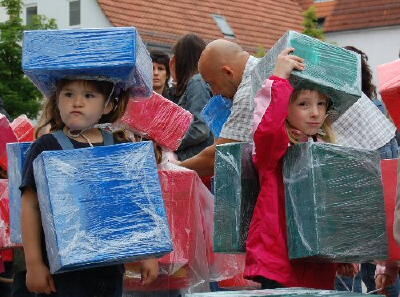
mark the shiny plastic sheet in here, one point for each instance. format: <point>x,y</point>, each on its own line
<point>187,201</point>
<point>17,153</point>
<point>389,87</point>
<point>216,112</point>
<point>158,119</point>
<point>331,69</point>
<point>5,241</point>
<point>298,292</point>
<point>101,205</point>
<point>236,190</point>
<point>7,135</point>
<point>332,192</point>
<point>115,54</point>
<point>23,129</point>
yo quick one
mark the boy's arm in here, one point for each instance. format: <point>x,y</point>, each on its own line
<point>38,278</point>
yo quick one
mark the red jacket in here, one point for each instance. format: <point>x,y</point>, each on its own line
<point>266,246</point>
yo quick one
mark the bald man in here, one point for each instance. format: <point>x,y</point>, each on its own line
<point>226,67</point>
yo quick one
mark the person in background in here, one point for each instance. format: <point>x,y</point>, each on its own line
<point>161,72</point>
<point>193,93</point>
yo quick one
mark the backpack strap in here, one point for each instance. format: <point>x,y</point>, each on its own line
<point>63,140</point>
<point>66,144</point>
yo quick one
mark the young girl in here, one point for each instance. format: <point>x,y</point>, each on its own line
<point>74,110</point>
<point>291,117</point>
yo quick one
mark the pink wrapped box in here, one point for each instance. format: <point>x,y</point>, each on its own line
<point>389,87</point>
<point>159,119</point>
<point>5,241</point>
<point>7,135</point>
<point>23,129</point>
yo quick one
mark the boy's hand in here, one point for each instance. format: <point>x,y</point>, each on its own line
<point>39,279</point>
<point>347,269</point>
<point>149,270</point>
<point>285,63</point>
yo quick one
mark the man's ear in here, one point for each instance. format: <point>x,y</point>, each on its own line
<point>109,107</point>
<point>227,71</point>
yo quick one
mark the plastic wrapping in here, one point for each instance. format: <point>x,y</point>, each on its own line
<point>23,129</point>
<point>331,69</point>
<point>5,241</point>
<point>101,205</point>
<point>17,153</point>
<point>7,135</point>
<point>390,175</point>
<point>158,119</point>
<point>389,87</point>
<point>115,54</point>
<point>216,112</point>
<point>236,189</point>
<point>187,201</point>
<point>332,192</point>
<point>298,292</point>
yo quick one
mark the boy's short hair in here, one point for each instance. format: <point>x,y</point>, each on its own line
<point>162,58</point>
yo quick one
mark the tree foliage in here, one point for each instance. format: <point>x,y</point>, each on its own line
<point>310,23</point>
<point>19,94</point>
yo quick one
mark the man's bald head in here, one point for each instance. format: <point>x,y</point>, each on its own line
<point>222,64</point>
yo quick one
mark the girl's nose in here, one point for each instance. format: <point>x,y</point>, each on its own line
<point>78,100</point>
<point>315,110</point>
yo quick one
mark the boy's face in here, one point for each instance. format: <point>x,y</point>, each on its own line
<point>81,106</point>
<point>307,112</point>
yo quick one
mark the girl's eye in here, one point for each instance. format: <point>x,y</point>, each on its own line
<point>302,103</point>
<point>322,103</point>
<point>68,94</point>
<point>89,95</point>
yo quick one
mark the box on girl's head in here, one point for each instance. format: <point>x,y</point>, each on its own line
<point>17,153</point>
<point>330,69</point>
<point>113,54</point>
<point>332,192</point>
<point>101,206</point>
<point>7,135</point>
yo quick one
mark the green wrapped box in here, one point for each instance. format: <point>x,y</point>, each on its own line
<point>295,292</point>
<point>331,69</point>
<point>236,189</point>
<point>334,203</point>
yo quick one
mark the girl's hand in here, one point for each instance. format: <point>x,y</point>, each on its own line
<point>297,134</point>
<point>347,269</point>
<point>382,281</point>
<point>285,63</point>
<point>39,279</point>
<point>149,270</point>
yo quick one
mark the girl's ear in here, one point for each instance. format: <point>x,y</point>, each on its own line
<point>109,107</point>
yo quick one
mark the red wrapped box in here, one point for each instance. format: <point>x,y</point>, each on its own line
<point>389,87</point>
<point>23,129</point>
<point>158,119</point>
<point>5,241</point>
<point>7,135</point>
<point>390,190</point>
<point>187,202</point>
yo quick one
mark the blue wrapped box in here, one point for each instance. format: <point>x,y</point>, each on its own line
<point>114,54</point>
<point>216,112</point>
<point>101,205</point>
<point>330,69</point>
<point>16,153</point>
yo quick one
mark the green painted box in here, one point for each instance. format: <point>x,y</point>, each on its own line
<point>334,203</point>
<point>333,70</point>
<point>236,188</point>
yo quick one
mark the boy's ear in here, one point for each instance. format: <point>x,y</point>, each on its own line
<point>108,108</point>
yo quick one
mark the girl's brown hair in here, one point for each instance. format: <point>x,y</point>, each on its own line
<point>327,134</point>
<point>51,114</point>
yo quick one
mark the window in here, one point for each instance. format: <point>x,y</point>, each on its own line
<point>74,13</point>
<point>31,11</point>
<point>320,22</point>
<point>223,26</point>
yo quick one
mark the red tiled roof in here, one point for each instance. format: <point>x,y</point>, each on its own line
<point>255,23</point>
<point>341,15</point>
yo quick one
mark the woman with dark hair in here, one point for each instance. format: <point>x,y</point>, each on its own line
<point>193,93</point>
<point>161,72</point>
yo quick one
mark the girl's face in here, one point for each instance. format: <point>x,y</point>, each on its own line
<point>81,105</point>
<point>159,76</point>
<point>307,112</point>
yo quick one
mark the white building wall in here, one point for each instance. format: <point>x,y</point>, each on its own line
<point>91,14</point>
<point>382,45</point>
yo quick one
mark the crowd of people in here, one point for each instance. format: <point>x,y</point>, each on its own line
<point>195,73</point>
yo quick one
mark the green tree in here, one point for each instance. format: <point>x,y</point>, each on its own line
<point>310,23</point>
<point>19,94</point>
